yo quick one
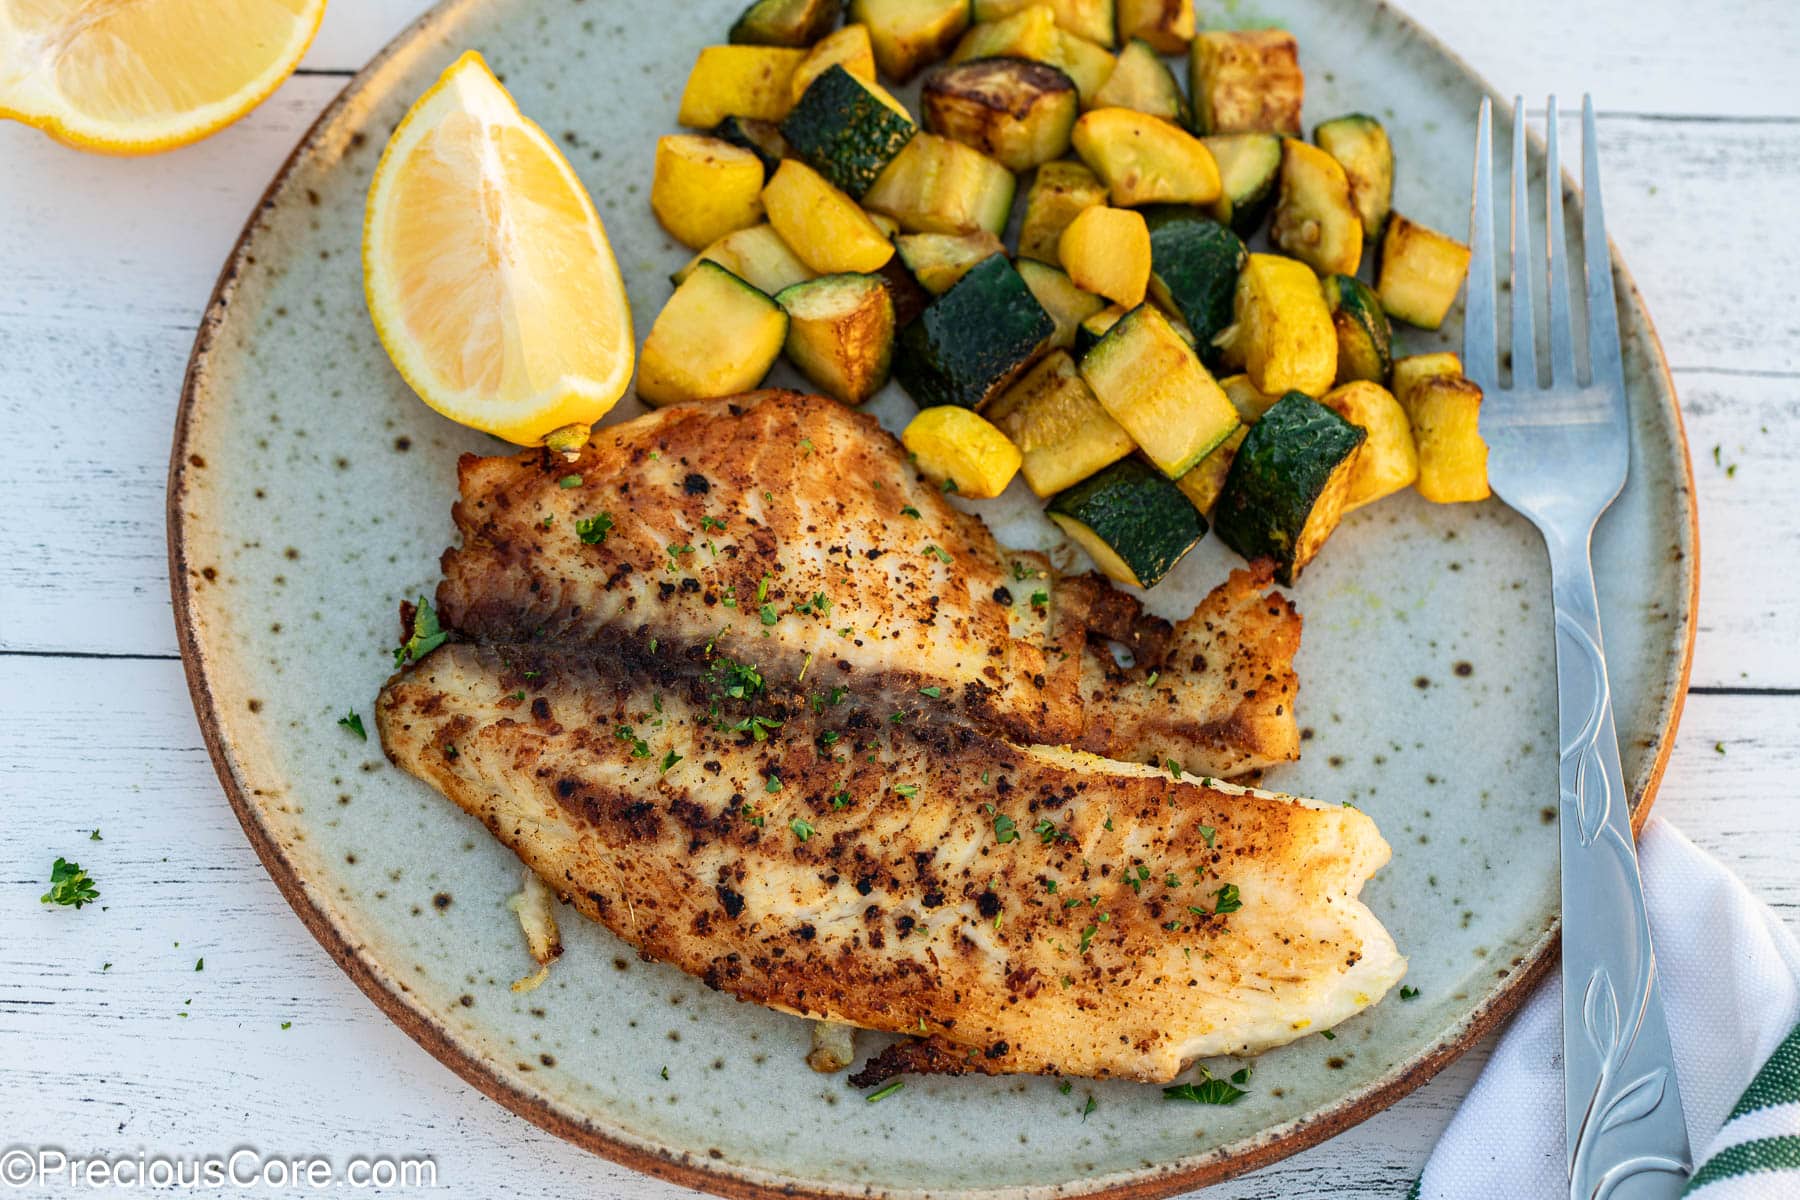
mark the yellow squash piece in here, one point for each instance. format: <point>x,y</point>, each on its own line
<point>1056,421</point>
<point>704,188</point>
<point>1146,160</point>
<point>717,336</point>
<point>1092,19</point>
<point>756,255</point>
<point>825,228</point>
<point>908,34</point>
<point>848,48</point>
<point>486,269</point>
<point>1168,25</point>
<point>1203,484</point>
<point>1059,192</point>
<point>1283,329</point>
<point>1420,272</point>
<point>1088,64</point>
<point>1388,460</point>
<point>1106,251</point>
<point>1315,220</point>
<point>1246,81</point>
<point>739,81</point>
<point>1444,409</point>
<point>961,449</point>
<point>146,76</point>
<point>1250,403</point>
<point>1028,33</point>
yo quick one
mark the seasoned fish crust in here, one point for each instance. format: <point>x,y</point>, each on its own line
<point>796,521</point>
<point>1029,909</point>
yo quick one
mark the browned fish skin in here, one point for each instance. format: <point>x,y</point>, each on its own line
<point>1031,909</point>
<point>797,522</point>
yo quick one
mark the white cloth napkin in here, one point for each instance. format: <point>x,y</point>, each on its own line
<point>1731,981</point>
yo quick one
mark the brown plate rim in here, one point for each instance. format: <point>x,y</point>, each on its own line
<point>390,994</point>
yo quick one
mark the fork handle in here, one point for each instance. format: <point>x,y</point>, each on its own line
<point>1627,1138</point>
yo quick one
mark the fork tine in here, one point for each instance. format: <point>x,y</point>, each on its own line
<point>1524,319</point>
<point>1478,312</point>
<point>1556,265</point>
<point>1604,362</point>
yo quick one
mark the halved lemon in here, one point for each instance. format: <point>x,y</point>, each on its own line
<point>137,76</point>
<point>487,270</point>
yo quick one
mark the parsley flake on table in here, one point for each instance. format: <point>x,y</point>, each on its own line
<point>884,1093</point>
<point>1207,1091</point>
<point>200,963</point>
<point>593,530</point>
<point>69,885</point>
<point>95,836</point>
<point>1089,1107</point>
<point>1408,993</point>
<point>427,635</point>
<point>352,721</point>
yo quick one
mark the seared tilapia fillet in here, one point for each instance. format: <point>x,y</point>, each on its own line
<point>795,523</point>
<point>1019,908</point>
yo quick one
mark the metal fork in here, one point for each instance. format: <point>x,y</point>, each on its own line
<point>1559,454</point>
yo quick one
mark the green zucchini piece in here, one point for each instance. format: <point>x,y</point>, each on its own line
<point>938,260</point>
<point>1194,266</point>
<point>1365,339</point>
<point>1142,81</point>
<point>1029,33</point>
<point>1085,62</point>
<point>786,22</point>
<point>910,34</point>
<point>1154,385</point>
<point>909,298</point>
<point>1288,482</point>
<point>1203,484</point>
<point>1067,304</point>
<point>1362,148</point>
<point>972,342</point>
<point>1133,523</point>
<point>1052,416</point>
<point>1093,328</point>
<point>841,333</point>
<point>1249,170</point>
<point>936,185</point>
<point>761,138</point>
<point>846,132</point>
<point>1018,112</point>
<point>756,255</point>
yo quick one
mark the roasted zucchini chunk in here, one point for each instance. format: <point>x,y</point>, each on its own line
<point>1246,81</point>
<point>1052,416</point>
<point>1194,267</point>
<point>1167,25</point>
<point>1057,194</point>
<point>938,260</point>
<point>1287,485</point>
<point>761,138</point>
<point>1092,19</point>
<point>703,188</point>
<point>1250,403</point>
<point>972,342</point>
<point>1419,272</point>
<point>1153,384</point>
<point>1018,112</point>
<point>1107,251</point>
<point>1093,328</point>
<point>1066,303</point>
<point>962,451</point>
<point>756,255</point>
<point>1132,522</point>
<point>785,22</point>
<point>1249,170</point>
<point>1283,330</point>
<point>1089,64</point>
<point>847,130</point>
<point>909,298</point>
<point>1314,219</point>
<point>1444,409</point>
<point>1143,82</point>
<point>1361,147</point>
<point>1365,339</point>
<point>910,34</point>
<point>1028,33</point>
<point>717,336</point>
<point>823,226</point>
<point>848,48</point>
<point>841,333</point>
<point>739,81</point>
<point>936,185</point>
<point>1388,461</point>
<point>1144,160</point>
<point>1203,484</point>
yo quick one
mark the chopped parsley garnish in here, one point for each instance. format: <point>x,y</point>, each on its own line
<point>837,694</point>
<point>675,553</point>
<point>1207,1091</point>
<point>1046,830</point>
<point>639,747</point>
<point>1040,598</point>
<point>1065,1087</point>
<point>1408,993</point>
<point>934,691</point>
<point>829,737</point>
<point>593,530</point>
<point>1207,834</point>
<point>1150,679</point>
<point>1021,572</point>
<point>841,799</point>
<point>95,836</point>
<point>1005,829</point>
<point>769,615</point>
<point>1089,1107</point>
<point>757,727</point>
<point>353,722</point>
<point>287,1024</point>
<point>734,679</point>
<point>200,963</point>
<point>773,785</point>
<point>910,511</point>
<point>751,815</point>
<point>937,552</point>
<point>712,523</point>
<point>884,1093</point>
<point>908,790</point>
<point>802,828</point>
<point>427,635</point>
<point>820,603</point>
<point>949,485</point>
<point>762,589</point>
<point>569,481</point>
<point>669,760</point>
<point>69,885</point>
<point>1087,937</point>
<point>1328,1035</point>
<point>1228,901</point>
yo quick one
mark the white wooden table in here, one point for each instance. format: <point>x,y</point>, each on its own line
<point>105,266</point>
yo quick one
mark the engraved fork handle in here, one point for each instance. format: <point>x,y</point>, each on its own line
<point>1627,1138</point>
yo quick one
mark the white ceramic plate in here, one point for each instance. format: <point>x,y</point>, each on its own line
<point>310,493</point>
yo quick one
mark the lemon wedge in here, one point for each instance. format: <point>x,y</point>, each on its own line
<point>487,270</point>
<point>138,76</point>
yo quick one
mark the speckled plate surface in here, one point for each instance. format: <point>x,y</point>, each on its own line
<point>310,492</point>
